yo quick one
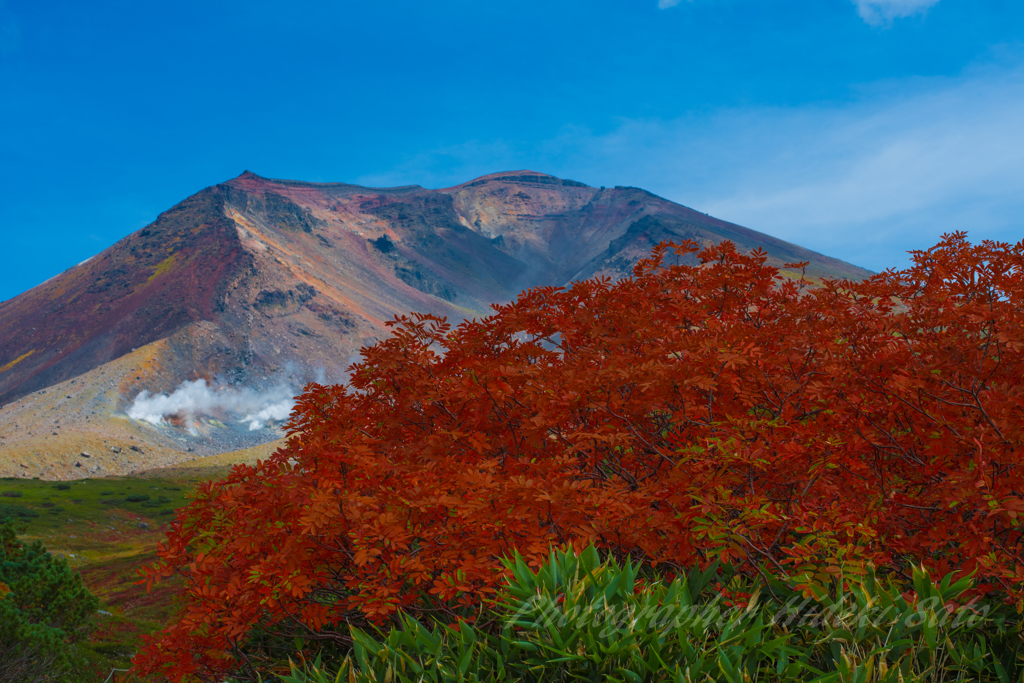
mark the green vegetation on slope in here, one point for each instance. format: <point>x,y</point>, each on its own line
<point>43,608</point>
<point>107,529</point>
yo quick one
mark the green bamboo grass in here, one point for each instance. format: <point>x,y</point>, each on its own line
<point>578,618</point>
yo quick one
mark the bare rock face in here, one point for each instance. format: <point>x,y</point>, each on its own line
<point>288,273</point>
<point>256,276</point>
<point>144,288</point>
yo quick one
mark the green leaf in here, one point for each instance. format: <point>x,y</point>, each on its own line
<point>633,677</point>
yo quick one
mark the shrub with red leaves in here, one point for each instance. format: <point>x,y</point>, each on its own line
<point>688,413</point>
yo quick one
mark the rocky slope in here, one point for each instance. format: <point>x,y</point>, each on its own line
<point>255,279</point>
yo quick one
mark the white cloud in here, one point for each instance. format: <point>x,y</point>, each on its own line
<point>864,180</point>
<point>880,12</point>
<point>874,12</point>
<point>874,180</point>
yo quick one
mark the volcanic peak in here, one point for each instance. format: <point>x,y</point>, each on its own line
<point>299,275</point>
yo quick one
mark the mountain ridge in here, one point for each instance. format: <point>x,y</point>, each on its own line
<point>300,274</point>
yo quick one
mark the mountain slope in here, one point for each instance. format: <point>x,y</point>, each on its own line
<point>293,277</point>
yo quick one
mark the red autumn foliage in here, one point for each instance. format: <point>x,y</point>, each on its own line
<point>691,412</point>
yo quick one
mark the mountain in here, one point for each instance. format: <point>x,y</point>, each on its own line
<point>257,279</point>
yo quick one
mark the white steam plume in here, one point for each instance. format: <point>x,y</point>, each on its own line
<point>198,398</point>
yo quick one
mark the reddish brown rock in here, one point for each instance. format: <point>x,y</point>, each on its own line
<point>256,276</point>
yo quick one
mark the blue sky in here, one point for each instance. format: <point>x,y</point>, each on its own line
<point>860,128</point>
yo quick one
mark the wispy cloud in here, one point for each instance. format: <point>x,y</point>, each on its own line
<point>864,181</point>
<point>874,12</point>
<point>872,180</point>
<point>881,12</point>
